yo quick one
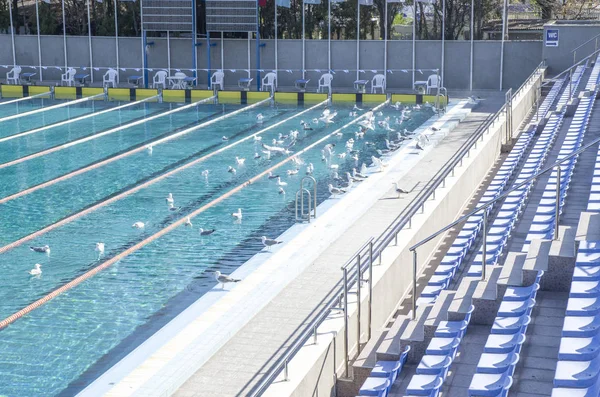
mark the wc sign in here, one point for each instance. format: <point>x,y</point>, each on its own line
<point>551,37</point>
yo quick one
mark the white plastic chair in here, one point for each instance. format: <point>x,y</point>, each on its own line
<point>270,80</point>
<point>13,75</point>
<point>378,82</point>
<point>160,78</point>
<point>217,79</point>
<point>432,83</point>
<point>325,82</point>
<point>68,77</point>
<point>110,77</point>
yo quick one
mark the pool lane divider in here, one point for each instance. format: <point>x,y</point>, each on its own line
<point>144,185</point>
<point>83,117</point>
<point>101,134</point>
<point>26,98</point>
<point>45,109</point>
<point>181,221</point>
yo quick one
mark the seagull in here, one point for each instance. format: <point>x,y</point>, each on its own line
<point>356,108</point>
<point>342,155</point>
<point>419,147</point>
<point>310,169</point>
<point>397,105</point>
<point>399,190</point>
<point>267,242</point>
<point>232,170</point>
<point>138,225</point>
<point>358,174</point>
<point>224,279</point>
<point>207,232</point>
<point>271,176</point>
<point>292,172</point>
<point>334,190</point>
<point>237,215</point>
<point>259,118</point>
<point>42,250</point>
<point>225,138</point>
<point>173,208</point>
<point>239,161</point>
<point>256,156</point>
<point>280,182</point>
<point>305,125</point>
<point>99,249</point>
<point>352,179</point>
<point>257,138</point>
<point>188,222</point>
<point>281,191</point>
<point>268,153</point>
<point>378,163</point>
<point>170,199</point>
<point>149,149</point>
<point>37,270</point>
<point>205,174</point>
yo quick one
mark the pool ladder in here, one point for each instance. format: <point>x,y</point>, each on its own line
<point>305,213</point>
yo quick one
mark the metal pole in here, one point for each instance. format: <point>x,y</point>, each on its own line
<point>249,35</point>
<point>346,367</point>
<point>257,49</point>
<point>89,41</point>
<point>222,50</point>
<point>208,63</point>
<point>414,33</point>
<point>369,313</point>
<point>358,280</point>
<point>484,251</point>
<point>275,2</point>
<point>169,52</point>
<point>357,39</point>
<point>385,27</point>
<point>12,32</point>
<point>414,286</point>
<point>472,38</point>
<point>194,45</point>
<point>285,371</point>
<point>64,32</point>
<point>144,55</point>
<point>570,83</point>
<point>37,20</point>
<point>303,42</point>
<point>556,216</point>
<point>329,35</point>
<point>443,40</point>
<point>116,37</point>
<point>504,20</point>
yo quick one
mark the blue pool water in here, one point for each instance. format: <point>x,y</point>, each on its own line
<point>60,347</point>
<point>9,109</point>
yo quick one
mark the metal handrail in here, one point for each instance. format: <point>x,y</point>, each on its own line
<point>371,251</point>
<point>569,69</point>
<point>581,45</point>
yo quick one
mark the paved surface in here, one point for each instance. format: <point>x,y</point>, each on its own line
<point>240,364</point>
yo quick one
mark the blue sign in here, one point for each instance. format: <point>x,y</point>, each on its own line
<point>551,37</point>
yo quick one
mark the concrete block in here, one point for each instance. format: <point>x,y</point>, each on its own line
<point>463,298</point>
<point>588,227</point>
<point>536,260</point>
<point>561,261</point>
<point>486,299</point>
<point>571,107</point>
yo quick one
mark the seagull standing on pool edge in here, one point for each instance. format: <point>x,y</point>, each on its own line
<point>224,279</point>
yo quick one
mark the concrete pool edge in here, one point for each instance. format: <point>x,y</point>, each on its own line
<point>216,298</point>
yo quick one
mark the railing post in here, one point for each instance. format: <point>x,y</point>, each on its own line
<point>414,282</point>
<point>315,335</point>
<point>570,85</point>
<point>369,313</point>
<point>345,309</point>
<point>285,371</point>
<point>358,279</point>
<point>484,251</point>
<point>556,215</point>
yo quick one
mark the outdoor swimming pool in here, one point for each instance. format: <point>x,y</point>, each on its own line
<point>95,190</point>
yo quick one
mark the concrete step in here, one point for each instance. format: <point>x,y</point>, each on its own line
<point>463,299</point>
<point>536,260</point>
<point>364,363</point>
<point>588,227</point>
<point>438,313</point>
<point>561,261</point>
<point>389,346</point>
<point>485,298</point>
<point>414,334</point>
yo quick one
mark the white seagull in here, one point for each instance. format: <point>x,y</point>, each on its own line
<point>281,191</point>
<point>256,156</point>
<point>267,242</point>
<point>188,222</point>
<point>207,232</point>
<point>99,249</point>
<point>138,225</point>
<point>292,172</point>
<point>205,174</point>
<point>170,199</point>
<point>149,149</point>
<point>259,118</point>
<point>239,161</point>
<point>231,170</point>
<point>280,182</point>
<point>237,215</point>
<point>224,279</point>
<point>399,190</point>
<point>37,270</point>
<point>335,191</point>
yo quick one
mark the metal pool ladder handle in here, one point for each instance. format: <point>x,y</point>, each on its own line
<point>312,200</point>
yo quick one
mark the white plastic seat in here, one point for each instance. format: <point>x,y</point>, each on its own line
<point>270,82</point>
<point>432,83</point>
<point>217,79</point>
<point>110,78</point>
<point>68,77</point>
<point>13,75</point>
<point>160,79</point>
<point>325,82</point>
<point>378,82</point>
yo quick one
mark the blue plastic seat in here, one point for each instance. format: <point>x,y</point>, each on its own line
<point>496,363</point>
<point>581,326</point>
<point>454,329</point>
<point>390,369</point>
<point>585,289</point>
<point>434,364</point>
<point>442,346</point>
<point>521,293</point>
<point>510,325</point>
<point>504,343</point>
<point>515,308</point>
<point>577,373</point>
<point>593,391</point>
<point>586,273</point>
<point>583,306</point>
<point>425,385</point>
<point>490,385</point>
<point>375,387</point>
<point>579,349</point>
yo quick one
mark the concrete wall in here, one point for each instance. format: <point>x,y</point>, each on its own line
<point>571,35</point>
<point>521,57</point>
<point>316,366</point>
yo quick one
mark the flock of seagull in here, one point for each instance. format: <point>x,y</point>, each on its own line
<point>282,146</point>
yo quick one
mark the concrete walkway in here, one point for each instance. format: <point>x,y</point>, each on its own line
<point>237,367</point>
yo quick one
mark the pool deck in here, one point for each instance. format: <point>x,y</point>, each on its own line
<point>240,331</point>
<point>240,364</point>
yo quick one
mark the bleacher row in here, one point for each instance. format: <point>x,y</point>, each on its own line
<point>578,368</point>
<point>501,352</point>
